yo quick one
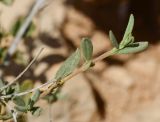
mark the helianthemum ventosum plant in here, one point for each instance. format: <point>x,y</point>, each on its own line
<point>127,45</point>
<point>12,92</point>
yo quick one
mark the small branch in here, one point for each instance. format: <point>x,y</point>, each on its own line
<point>103,56</point>
<point>35,9</point>
<point>78,71</point>
<point>29,91</point>
<point>53,83</point>
<point>20,75</point>
<point>13,112</point>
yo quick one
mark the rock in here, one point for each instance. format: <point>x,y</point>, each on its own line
<point>149,113</point>
<point>100,42</point>
<point>19,8</point>
<point>51,22</point>
<point>119,76</point>
<point>82,26</point>
<point>78,104</point>
<point>99,66</point>
<point>143,66</point>
<point>77,26</point>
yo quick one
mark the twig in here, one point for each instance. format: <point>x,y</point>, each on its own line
<point>35,9</point>
<point>78,71</point>
<point>29,91</point>
<point>13,112</point>
<point>20,75</point>
<point>53,83</point>
<point>103,56</point>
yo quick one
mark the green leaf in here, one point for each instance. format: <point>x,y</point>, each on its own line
<point>19,101</point>
<point>69,65</point>
<point>26,85</point>
<point>18,25</point>
<point>133,48</point>
<point>34,98</point>
<point>7,2</point>
<point>36,95</point>
<point>10,90</point>
<point>36,111</point>
<point>3,52</point>
<point>30,105</point>
<point>87,49</point>
<point>113,39</point>
<point>128,32</point>
<point>1,83</point>
<point>21,108</point>
<point>6,117</point>
<point>53,96</point>
<point>17,88</point>
<point>129,27</point>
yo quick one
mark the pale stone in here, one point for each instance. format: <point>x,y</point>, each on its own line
<point>100,42</point>
<point>119,76</point>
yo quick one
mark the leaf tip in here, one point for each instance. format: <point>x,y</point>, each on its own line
<point>113,39</point>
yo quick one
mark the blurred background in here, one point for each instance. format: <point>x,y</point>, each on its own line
<point>122,88</point>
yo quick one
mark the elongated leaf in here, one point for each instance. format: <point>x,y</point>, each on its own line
<point>128,32</point>
<point>133,48</point>
<point>129,40</point>
<point>1,83</point>
<point>21,108</point>
<point>69,65</point>
<point>113,39</point>
<point>30,104</point>
<point>6,117</point>
<point>19,101</point>
<point>129,27</point>
<point>36,111</point>
<point>35,96</point>
<point>26,85</point>
<point>87,49</point>
<point>17,87</point>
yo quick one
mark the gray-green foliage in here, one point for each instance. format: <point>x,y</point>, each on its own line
<point>87,49</point>
<point>127,38</point>
<point>6,116</point>
<point>27,103</point>
<point>113,39</point>
<point>127,45</point>
<point>23,104</point>
<point>133,48</point>
<point>69,65</point>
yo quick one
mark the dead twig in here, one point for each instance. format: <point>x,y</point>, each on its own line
<point>20,75</point>
<point>38,4</point>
